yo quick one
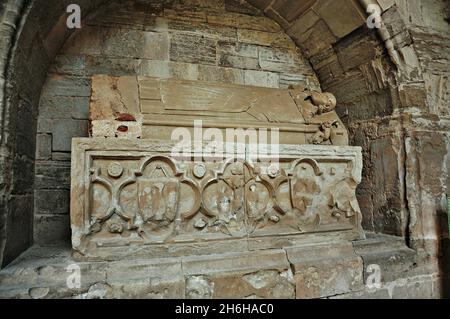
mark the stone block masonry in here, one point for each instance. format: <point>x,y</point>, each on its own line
<point>335,271</point>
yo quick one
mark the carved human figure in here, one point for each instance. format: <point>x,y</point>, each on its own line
<point>325,102</point>
<point>236,182</point>
<point>312,103</point>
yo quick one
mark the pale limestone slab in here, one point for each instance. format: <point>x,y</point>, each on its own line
<point>156,106</point>
<point>131,198</point>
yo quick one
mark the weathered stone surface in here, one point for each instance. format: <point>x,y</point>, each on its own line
<point>429,157</point>
<point>193,49</point>
<point>156,46</point>
<point>310,114</point>
<point>238,55</point>
<point>239,7</point>
<point>111,66</point>
<point>67,86</point>
<point>265,39</point>
<point>52,201</point>
<point>114,110</point>
<point>341,27</point>
<point>43,147</point>
<point>245,275</point>
<point>52,175</point>
<point>393,261</point>
<point>278,60</point>
<point>220,75</point>
<point>362,48</point>
<point>50,229</point>
<point>415,287</point>
<point>70,64</point>
<point>388,186</point>
<point>64,131</point>
<point>112,96</point>
<point>19,221</point>
<point>152,279</point>
<point>261,78</point>
<point>291,9</point>
<point>166,211</point>
<point>43,272</point>
<point>315,39</point>
<point>64,107</point>
<point>325,270</point>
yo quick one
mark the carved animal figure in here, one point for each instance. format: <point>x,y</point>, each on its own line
<point>158,204</point>
<point>343,200</point>
<point>304,191</point>
<point>323,134</point>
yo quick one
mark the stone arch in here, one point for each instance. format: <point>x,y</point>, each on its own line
<point>34,32</point>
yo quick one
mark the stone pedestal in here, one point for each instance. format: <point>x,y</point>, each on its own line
<point>130,199</point>
<point>333,270</point>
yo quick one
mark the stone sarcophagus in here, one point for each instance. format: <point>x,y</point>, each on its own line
<point>132,198</point>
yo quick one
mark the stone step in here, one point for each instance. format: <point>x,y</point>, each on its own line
<point>309,271</point>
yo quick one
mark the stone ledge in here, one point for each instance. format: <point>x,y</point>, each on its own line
<point>394,260</point>
<point>308,271</point>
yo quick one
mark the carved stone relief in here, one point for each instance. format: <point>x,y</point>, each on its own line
<point>136,196</point>
<point>301,115</point>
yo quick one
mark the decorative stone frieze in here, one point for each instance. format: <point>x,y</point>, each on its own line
<point>130,198</point>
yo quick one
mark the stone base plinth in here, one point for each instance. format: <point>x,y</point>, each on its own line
<point>312,271</point>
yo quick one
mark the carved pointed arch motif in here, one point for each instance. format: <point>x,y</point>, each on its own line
<point>155,194</point>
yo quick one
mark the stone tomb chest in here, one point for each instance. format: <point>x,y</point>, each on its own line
<point>131,198</point>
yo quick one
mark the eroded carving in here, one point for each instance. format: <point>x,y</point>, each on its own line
<point>154,200</point>
<point>303,185</point>
<point>164,103</point>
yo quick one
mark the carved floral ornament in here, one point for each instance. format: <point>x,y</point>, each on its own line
<point>159,200</point>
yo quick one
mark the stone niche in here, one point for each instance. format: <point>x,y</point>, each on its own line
<point>130,198</point>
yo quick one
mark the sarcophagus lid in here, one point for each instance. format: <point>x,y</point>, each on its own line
<point>151,107</point>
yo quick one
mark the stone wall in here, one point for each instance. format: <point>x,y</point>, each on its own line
<point>192,40</point>
<point>16,150</point>
<point>393,89</point>
<point>393,85</point>
<point>31,33</point>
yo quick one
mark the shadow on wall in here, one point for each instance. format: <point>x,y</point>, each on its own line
<point>444,253</point>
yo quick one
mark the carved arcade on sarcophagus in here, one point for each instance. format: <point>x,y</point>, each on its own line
<point>132,198</point>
